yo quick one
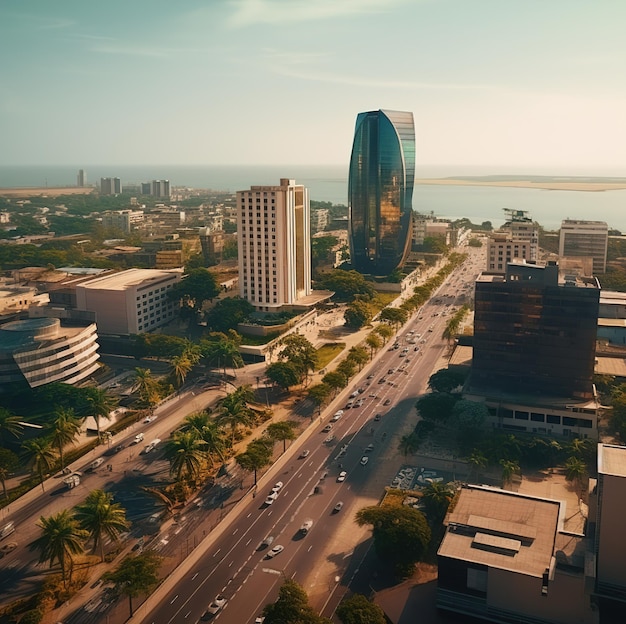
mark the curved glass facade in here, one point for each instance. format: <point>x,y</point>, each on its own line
<point>380,190</point>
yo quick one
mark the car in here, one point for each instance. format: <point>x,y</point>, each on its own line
<point>149,418</point>
<point>377,417</point>
<point>391,371</point>
<point>416,349</point>
<point>373,396</point>
<point>275,551</point>
<point>337,416</point>
<point>342,476</point>
<point>217,605</point>
<point>150,447</point>
<point>370,376</point>
<point>369,448</point>
<point>270,499</point>
<point>266,543</point>
<point>387,401</point>
<point>306,526</point>
<point>138,438</point>
<point>359,403</point>
<point>277,486</point>
<point>329,439</point>
<point>423,341</point>
<point>430,330</point>
<point>5,549</point>
<point>337,508</point>
<point>327,428</point>
<point>354,394</point>
<point>259,620</point>
<point>382,380</point>
<point>349,404</point>
<point>305,453</point>
<point>364,460</point>
<point>403,354</point>
<point>95,463</point>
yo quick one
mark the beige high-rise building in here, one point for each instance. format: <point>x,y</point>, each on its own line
<point>585,238</point>
<point>274,239</point>
<point>518,240</point>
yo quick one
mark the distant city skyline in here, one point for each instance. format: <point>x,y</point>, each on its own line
<point>514,84</point>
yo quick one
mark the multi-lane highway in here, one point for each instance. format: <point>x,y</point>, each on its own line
<point>234,566</point>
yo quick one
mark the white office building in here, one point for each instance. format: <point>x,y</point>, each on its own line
<point>274,239</point>
<point>129,302</point>
<point>585,238</point>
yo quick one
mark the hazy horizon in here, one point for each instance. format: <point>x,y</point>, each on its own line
<point>525,86</point>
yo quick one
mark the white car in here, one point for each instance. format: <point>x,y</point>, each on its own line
<point>275,551</point>
<point>150,447</point>
<point>342,476</point>
<point>337,508</point>
<point>337,416</point>
<point>277,487</point>
<point>364,460</point>
<point>217,605</point>
<point>271,498</point>
<point>304,453</point>
<point>149,418</point>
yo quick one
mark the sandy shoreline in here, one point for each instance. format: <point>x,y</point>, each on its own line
<point>544,185</point>
<point>54,191</point>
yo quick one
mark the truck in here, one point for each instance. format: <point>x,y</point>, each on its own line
<point>72,481</point>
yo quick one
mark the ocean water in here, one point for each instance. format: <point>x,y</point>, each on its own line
<point>330,183</point>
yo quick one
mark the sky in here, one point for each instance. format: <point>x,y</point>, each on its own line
<point>501,83</point>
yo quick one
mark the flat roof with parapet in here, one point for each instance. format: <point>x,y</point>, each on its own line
<point>504,530</point>
<point>128,278</point>
<point>612,460</point>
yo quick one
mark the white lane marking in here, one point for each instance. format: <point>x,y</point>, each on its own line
<point>193,578</point>
<point>235,531</point>
<point>187,614</point>
<point>248,542</point>
<point>174,599</point>
<point>217,552</point>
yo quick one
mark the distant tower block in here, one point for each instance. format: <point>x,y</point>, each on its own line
<point>81,178</point>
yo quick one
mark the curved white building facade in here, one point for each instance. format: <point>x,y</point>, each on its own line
<point>41,351</point>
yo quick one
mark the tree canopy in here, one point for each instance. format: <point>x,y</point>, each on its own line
<point>228,313</point>
<point>401,535</point>
<point>198,286</point>
<point>359,610</point>
<point>345,284</point>
<point>292,607</point>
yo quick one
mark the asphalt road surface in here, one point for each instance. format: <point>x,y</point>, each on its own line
<point>234,565</point>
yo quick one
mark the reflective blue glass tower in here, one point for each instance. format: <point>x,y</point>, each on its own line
<point>380,190</point>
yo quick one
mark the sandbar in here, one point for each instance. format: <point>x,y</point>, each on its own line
<point>545,185</point>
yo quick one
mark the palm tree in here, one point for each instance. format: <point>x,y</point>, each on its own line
<point>100,517</point>
<point>437,497</point>
<point>576,471</point>
<point>65,428</point>
<point>509,469</point>
<point>10,425</point>
<point>208,433</point>
<point>233,416</point>
<point>99,405</point>
<point>145,383</point>
<point>9,461</point>
<point>40,456</point>
<point>477,462</point>
<point>181,367</point>
<point>62,539</point>
<point>184,454</point>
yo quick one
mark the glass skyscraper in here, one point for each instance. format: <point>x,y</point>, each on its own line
<point>380,190</point>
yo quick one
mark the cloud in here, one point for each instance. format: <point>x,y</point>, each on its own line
<point>249,12</point>
<point>294,65</point>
